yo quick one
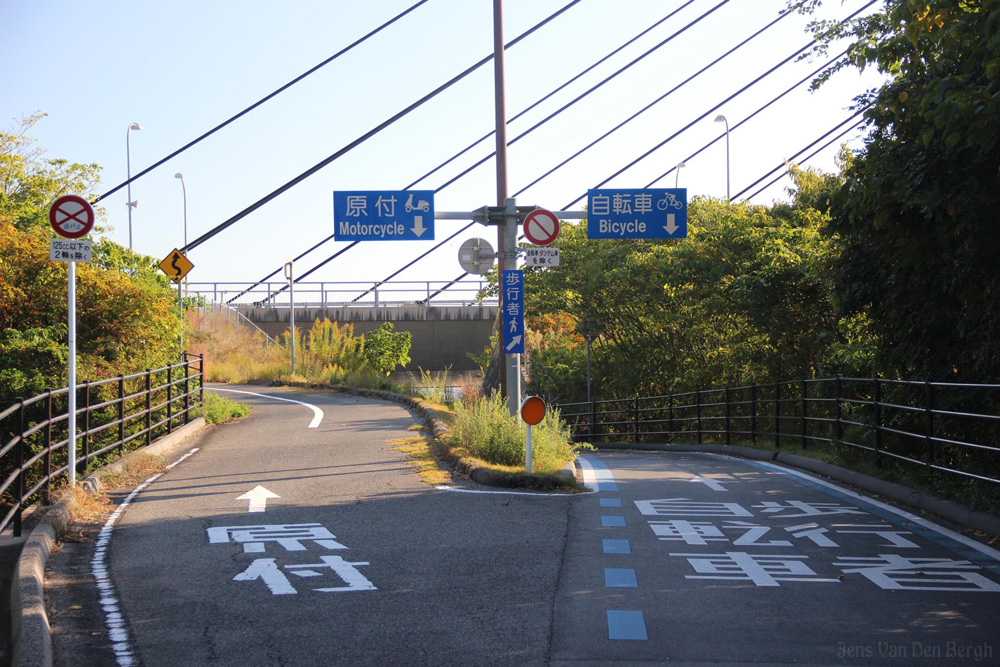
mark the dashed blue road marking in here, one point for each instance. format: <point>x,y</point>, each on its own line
<point>617,547</point>
<point>613,521</point>
<point>626,625</point>
<point>620,577</point>
<point>611,502</point>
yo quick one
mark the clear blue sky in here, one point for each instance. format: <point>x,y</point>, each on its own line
<point>180,68</point>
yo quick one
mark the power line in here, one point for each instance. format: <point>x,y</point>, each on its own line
<point>262,100</point>
<point>360,140</point>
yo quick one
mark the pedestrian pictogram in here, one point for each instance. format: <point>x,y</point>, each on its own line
<point>176,265</point>
<point>71,216</point>
<point>541,227</point>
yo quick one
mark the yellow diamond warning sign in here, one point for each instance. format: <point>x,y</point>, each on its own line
<point>176,265</point>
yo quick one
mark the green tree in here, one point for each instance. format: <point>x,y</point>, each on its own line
<point>386,349</point>
<point>744,298</point>
<point>919,213</point>
<point>126,315</point>
<point>30,182</point>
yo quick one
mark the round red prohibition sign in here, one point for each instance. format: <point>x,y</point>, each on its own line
<point>71,216</point>
<point>541,227</point>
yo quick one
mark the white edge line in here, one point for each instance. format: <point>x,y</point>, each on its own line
<point>317,413</point>
<point>589,476</point>
<point>978,546</point>
<point>113,617</point>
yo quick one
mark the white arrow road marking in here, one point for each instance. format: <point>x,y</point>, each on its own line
<point>514,341</point>
<point>418,225</point>
<point>671,225</point>
<point>710,483</point>
<point>258,497</point>
<point>317,413</point>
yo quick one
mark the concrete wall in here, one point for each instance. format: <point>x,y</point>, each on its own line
<point>441,337</point>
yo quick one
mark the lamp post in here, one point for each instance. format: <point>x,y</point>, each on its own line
<point>590,329</point>
<point>677,174</point>
<point>184,188</point>
<point>290,277</point>
<point>722,119</point>
<point>180,304</point>
<point>128,171</point>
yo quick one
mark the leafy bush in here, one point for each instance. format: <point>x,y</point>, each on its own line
<point>219,409</point>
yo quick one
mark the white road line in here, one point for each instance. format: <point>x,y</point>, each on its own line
<point>113,617</point>
<point>317,413</point>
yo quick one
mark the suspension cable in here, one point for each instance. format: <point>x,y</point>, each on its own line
<point>262,100</point>
<point>585,93</point>
<point>360,140</point>
<point>803,150</point>
<point>548,95</point>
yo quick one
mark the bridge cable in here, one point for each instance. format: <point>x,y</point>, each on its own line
<point>714,108</point>
<point>539,124</point>
<point>783,15</point>
<point>760,109</point>
<point>548,95</point>
<point>306,174</point>
<point>521,113</point>
<point>262,100</point>
<point>803,150</point>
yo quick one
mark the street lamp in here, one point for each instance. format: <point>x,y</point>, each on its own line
<point>128,171</point>
<point>184,188</point>
<point>677,175</point>
<point>722,119</point>
<point>290,277</point>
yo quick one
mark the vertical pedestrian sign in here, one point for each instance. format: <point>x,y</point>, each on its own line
<point>651,213</point>
<point>512,284</point>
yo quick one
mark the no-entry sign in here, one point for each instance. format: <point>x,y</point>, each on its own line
<point>541,227</point>
<point>71,216</point>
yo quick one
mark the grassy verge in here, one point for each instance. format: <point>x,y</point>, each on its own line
<point>218,409</point>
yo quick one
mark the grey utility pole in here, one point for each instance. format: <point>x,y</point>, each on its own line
<point>510,377</point>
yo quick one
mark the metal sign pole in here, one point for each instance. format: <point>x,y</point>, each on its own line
<point>71,380</point>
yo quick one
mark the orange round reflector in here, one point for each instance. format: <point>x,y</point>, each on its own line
<point>532,410</point>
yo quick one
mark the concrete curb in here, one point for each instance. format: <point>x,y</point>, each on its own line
<point>946,509</point>
<point>32,637</point>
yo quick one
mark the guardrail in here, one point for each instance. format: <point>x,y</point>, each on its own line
<point>947,428</point>
<point>111,415</point>
<point>439,293</point>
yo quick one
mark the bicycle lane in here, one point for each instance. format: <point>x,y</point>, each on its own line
<point>697,559</point>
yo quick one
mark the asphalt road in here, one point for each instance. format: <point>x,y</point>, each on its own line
<point>352,559</point>
<point>702,560</point>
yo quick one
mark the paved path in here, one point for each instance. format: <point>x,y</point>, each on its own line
<point>300,537</point>
<point>702,560</point>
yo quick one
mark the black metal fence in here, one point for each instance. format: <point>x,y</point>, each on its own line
<point>948,428</point>
<point>113,416</point>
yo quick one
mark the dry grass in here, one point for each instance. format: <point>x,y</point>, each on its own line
<point>234,352</point>
<point>418,448</point>
<point>94,508</point>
